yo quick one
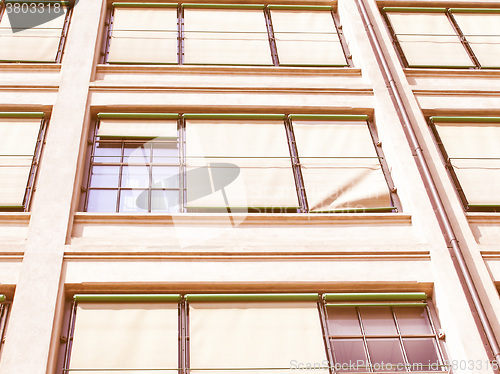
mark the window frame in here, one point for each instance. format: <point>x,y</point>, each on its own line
<point>266,10</point>
<point>322,302</point>
<point>4,315</point>
<point>296,167</point>
<point>37,154</point>
<point>448,164</point>
<point>64,30</point>
<point>453,22</point>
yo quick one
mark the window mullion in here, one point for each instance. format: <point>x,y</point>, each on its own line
<point>297,172</point>
<point>182,337</point>
<point>385,168</point>
<point>34,165</point>
<point>69,342</point>
<point>441,355</point>
<point>182,165</point>
<point>272,39</point>
<point>180,35</point>
<point>64,33</point>
<point>107,42</point>
<point>120,176</point>
<point>400,338</point>
<point>463,39</point>
<point>365,344</point>
<point>91,149</point>
<point>343,42</point>
<point>326,335</point>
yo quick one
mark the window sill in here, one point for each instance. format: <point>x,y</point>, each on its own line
<point>486,217</point>
<point>211,69</point>
<point>14,217</point>
<point>450,72</point>
<point>243,218</point>
<point>28,66</point>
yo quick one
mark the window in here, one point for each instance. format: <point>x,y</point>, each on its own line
<point>221,34</point>
<point>33,31</point>
<point>21,138</point>
<point>256,333</point>
<point>471,149</point>
<point>4,309</point>
<point>440,37</point>
<point>236,163</point>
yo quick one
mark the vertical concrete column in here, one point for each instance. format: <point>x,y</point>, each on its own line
<point>28,344</point>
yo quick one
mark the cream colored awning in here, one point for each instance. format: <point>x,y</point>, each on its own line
<point>306,38</point>
<point>223,333</point>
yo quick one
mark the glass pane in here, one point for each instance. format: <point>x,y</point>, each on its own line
<point>165,177</point>
<point>343,321</point>
<point>166,153</point>
<point>165,201</point>
<point>135,177</point>
<point>107,152</point>
<point>133,201</point>
<point>378,321</point>
<point>104,176</point>
<point>422,354</point>
<point>413,321</point>
<point>137,153</point>
<point>102,201</point>
<point>349,354</point>
<point>386,354</point>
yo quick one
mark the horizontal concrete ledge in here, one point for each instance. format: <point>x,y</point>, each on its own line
<point>264,256</point>
<point>38,67</point>
<point>451,92</point>
<point>483,217</point>
<point>7,217</point>
<point>452,73</point>
<point>245,219</point>
<point>243,70</point>
<point>187,287</point>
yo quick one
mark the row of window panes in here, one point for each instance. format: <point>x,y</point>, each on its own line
<point>446,38</point>
<point>280,164</point>
<point>33,32</point>
<point>224,35</point>
<point>239,334</point>
<point>149,174</point>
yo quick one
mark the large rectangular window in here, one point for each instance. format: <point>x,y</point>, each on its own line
<point>21,136</point>
<point>33,31</point>
<point>222,34</point>
<point>447,38</point>
<point>471,149</point>
<point>252,333</point>
<point>236,163</point>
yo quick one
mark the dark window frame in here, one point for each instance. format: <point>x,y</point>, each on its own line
<point>272,42</point>
<point>293,156</point>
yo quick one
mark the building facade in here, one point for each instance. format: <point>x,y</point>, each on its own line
<point>246,186</point>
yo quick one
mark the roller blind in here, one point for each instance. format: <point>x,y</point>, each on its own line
<point>138,128</point>
<point>306,38</point>
<point>31,43</point>
<point>428,39</point>
<point>226,36</point>
<point>111,336</point>
<point>483,35</point>
<point>340,166</point>
<point>223,334</point>
<point>474,152</point>
<point>18,137</point>
<point>248,162</point>
<point>144,35</point>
